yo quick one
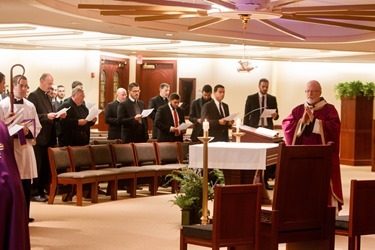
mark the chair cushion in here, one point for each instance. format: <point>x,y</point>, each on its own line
<point>342,222</point>
<point>77,175</point>
<point>198,231</point>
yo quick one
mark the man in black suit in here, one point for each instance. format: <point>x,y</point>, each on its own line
<point>156,102</point>
<point>214,111</point>
<point>196,111</point>
<point>59,99</point>
<point>134,126</point>
<point>46,137</point>
<point>257,103</point>
<point>114,130</point>
<point>168,118</point>
<point>75,129</point>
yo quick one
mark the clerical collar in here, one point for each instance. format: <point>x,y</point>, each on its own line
<point>132,99</point>
<point>18,101</point>
<point>317,105</point>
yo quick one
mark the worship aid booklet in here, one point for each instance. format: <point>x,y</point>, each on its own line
<point>267,113</point>
<point>231,117</point>
<point>146,112</point>
<point>62,111</point>
<point>93,112</point>
<point>184,125</point>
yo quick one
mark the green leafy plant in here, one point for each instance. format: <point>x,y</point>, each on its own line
<point>354,88</point>
<point>190,182</point>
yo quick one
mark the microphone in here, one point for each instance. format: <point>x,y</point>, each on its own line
<point>252,111</point>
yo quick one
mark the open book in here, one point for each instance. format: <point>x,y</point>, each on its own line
<point>262,131</point>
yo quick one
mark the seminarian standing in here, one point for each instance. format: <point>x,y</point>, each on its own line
<point>75,129</point>
<point>168,118</point>
<point>47,136</point>
<point>215,111</point>
<point>134,126</point>
<point>156,102</point>
<point>257,103</point>
<point>114,129</point>
<point>196,111</point>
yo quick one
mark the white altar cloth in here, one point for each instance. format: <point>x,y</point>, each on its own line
<point>230,155</point>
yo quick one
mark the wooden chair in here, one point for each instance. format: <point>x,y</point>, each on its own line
<point>236,220</point>
<point>63,174</point>
<point>300,213</point>
<point>80,158</point>
<point>169,160</point>
<point>361,219</point>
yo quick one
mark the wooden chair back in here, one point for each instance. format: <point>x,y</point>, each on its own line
<point>59,161</point>
<point>145,153</point>
<point>123,154</point>
<point>80,158</point>
<point>300,210</point>
<point>361,219</point>
<point>236,220</point>
<point>101,156</point>
<point>168,152</point>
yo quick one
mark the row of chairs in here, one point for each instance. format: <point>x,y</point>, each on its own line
<point>131,162</point>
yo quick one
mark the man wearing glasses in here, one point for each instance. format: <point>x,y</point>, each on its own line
<point>134,126</point>
<point>313,123</point>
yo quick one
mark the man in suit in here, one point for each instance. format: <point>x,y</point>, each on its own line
<point>215,111</point>
<point>156,102</point>
<point>168,118</point>
<point>255,105</point>
<point>196,110</point>
<point>114,130</point>
<point>134,126</point>
<point>75,129</point>
<point>59,99</point>
<point>46,137</point>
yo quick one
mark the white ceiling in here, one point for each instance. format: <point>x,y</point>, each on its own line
<point>59,24</point>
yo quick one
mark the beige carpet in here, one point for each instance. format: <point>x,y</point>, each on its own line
<point>142,223</point>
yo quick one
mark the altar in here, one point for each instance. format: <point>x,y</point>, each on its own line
<point>242,163</point>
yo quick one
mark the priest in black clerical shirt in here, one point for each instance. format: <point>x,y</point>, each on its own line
<point>114,129</point>
<point>156,102</point>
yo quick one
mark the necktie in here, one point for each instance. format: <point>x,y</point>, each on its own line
<point>262,121</point>
<point>175,119</point>
<point>221,110</point>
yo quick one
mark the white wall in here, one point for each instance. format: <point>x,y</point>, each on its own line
<point>287,79</point>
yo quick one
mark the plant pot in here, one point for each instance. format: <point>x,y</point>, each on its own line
<point>189,217</point>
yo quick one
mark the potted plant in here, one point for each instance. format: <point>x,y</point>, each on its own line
<point>189,197</point>
<point>354,88</point>
<point>356,121</point>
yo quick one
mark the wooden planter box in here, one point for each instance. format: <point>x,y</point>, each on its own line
<point>356,131</point>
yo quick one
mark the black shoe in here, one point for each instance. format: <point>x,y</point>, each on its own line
<point>31,220</point>
<point>39,198</point>
<point>139,187</point>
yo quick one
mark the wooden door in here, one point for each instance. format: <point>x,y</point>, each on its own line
<point>151,73</point>
<point>114,73</point>
<point>187,93</point>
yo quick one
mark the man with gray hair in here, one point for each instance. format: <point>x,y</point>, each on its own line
<point>114,130</point>
<point>75,129</point>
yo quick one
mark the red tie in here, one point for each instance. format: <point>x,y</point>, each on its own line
<point>175,118</point>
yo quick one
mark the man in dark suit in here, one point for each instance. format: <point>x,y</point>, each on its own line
<point>156,102</point>
<point>214,111</point>
<point>134,126</point>
<point>75,129</point>
<point>59,99</point>
<point>255,105</point>
<point>46,137</point>
<point>196,110</point>
<point>168,118</point>
<point>114,130</point>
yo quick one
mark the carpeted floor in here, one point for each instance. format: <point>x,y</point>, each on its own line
<point>142,223</point>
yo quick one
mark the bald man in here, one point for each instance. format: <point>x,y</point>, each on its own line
<point>317,122</point>
<point>114,130</point>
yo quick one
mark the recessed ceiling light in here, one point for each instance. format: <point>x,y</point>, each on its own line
<point>169,34</point>
<point>74,23</point>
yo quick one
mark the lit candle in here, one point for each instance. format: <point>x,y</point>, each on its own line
<point>206,126</point>
<point>238,125</point>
